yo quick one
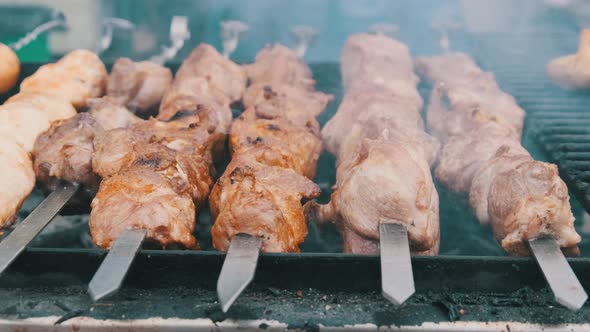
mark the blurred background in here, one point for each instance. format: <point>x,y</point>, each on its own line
<point>270,21</point>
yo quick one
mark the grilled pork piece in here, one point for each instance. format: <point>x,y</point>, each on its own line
<point>299,106</point>
<point>157,183</point>
<point>139,86</point>
<point>275,147</point>
<point>9,68</point>
<point>64,152</point>
<point>573,71</point>
<point>279,64</point>
<point>76,77</point>
<point>48,95</point>
<point>220,73</point>
<point>383,154</point>
<point>157,173</point>
<point>521,198</point>
<point>468,91</point>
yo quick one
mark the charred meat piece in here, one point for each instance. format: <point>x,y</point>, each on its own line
<point>220,73</point>
<point>170,175</point>
<point>277,64</point>
<point>285,144</point>
<point>573,71</point>
<point>282,100</point>
<point>263,201</point>
<point>76,77</point>
<point>64,152</point>
<point>139,86</point>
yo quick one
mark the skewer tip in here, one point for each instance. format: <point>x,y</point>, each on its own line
<point>397,277</point>
<point>238,269</point>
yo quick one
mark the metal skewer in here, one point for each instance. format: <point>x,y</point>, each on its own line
<point>113,269</point>
<point>111,273</point>
<point>108,26</point>
<point>397,277</point>
<point>58,19</point>
<point>14,244</point>
<point>179,33</point>
<point>238,268</point>
<point>443,28</point>
<point>230,35</point>
<point>305,36</point>
<point>559,275</point>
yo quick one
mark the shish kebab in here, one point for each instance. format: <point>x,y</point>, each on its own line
<point>524,200</point>
<point>384,199</point>
<point>275,145</point>
<point>155,182</point>
<point>62,154</point>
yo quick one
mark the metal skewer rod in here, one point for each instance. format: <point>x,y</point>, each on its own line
<point>559,275</point>
<point>384,28</point>
<point>108,26</point>
<point>179,33</point>
<point>230,35</point>
<point>397,277</point>
<point>443,28</point>
<point>16,242</point>
<point>58,20</point>
<point>113,269</point>
<point>304,36</point>
<point>238,268</point>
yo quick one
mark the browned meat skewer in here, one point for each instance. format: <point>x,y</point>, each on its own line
<point>521,198</point>
<point>157,173</point>
<point>383,154</point>
<point>275,147</point>
<point>50,94</point>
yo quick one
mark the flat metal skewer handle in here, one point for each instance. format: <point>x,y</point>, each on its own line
<point>238,268</point>
<point>559,275</point>
<point>397,277</point>
<point>14,244</point>
<point>111,273</point>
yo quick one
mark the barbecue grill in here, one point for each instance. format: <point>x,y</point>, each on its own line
<point>471,286</point>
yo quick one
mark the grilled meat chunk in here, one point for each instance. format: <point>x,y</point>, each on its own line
<point>64,152</point>
<point>17,178</point>
<point>76,77</point>
<point>220,73</point>
<point>263,201</point>
<point>467,89</point>
<point>139,86</point>
<point>573,71</point>
<point>170,171</point>
<point>299,106</point>
<point>277,64</point>
<point>282,143</point>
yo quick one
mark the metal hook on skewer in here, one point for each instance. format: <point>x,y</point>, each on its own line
<point>230,35</point>
<point>58,19</point>
<point>443,27</point>
<point>304,36</point>
<point>179,33</point>
<point>108,26</point>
